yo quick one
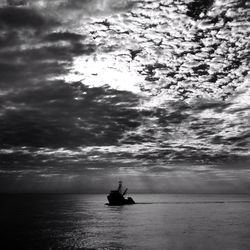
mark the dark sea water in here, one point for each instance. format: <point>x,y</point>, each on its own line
<point>156,222</point>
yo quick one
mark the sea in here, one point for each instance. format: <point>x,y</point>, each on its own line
<point>157,221</point>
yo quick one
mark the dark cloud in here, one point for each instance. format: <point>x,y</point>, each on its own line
<point>16,2</point>
<point>15,17</point>
<point>30,51</point>
<point>54,53</point>
<point>36,116</point>
<point>241,139</point>
<point>64,36</point>
<point>21,75</point>
<point>197,7</point>
<point>8,39</point>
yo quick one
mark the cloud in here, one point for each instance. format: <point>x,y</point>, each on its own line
<point>36,116</point>
<point>103,117</point>
<point>31,51</point>
<point>198,7</point>
<point>103,89</point>
<point>179,58</point>
<point>63,36</point>
<point>14,17</point>
<point>99,6</point>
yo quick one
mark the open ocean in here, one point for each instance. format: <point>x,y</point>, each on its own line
<point>156,222</point>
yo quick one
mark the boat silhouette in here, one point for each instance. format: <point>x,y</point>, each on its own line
<point>116,197</point>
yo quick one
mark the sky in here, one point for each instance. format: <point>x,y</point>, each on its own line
<point>154,93</point>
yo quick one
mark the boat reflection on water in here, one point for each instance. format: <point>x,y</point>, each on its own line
<point>117,197</point>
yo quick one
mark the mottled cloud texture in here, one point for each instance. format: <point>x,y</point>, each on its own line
<point>153,92</point>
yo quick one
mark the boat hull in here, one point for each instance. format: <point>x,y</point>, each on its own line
<point>119,201</point>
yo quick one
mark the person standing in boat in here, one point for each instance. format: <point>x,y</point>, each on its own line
<point>120,187</point>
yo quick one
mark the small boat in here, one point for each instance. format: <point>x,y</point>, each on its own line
<point>116,197</point>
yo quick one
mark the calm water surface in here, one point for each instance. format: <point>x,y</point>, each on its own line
<point>157,222</point>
